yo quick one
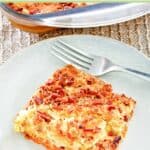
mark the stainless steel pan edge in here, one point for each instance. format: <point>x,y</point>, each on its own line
<point>98,16</point>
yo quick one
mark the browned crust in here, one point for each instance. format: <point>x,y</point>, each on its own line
<point>103,145</point>
<point>47,144</point>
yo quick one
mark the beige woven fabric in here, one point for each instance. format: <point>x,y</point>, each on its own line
<point>135,32</point>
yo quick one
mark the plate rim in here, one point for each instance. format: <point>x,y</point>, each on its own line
<point>20,52</point>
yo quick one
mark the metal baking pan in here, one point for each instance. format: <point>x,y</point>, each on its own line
<point>100,14</point>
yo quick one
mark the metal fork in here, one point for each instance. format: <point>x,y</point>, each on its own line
<point>95,65</point>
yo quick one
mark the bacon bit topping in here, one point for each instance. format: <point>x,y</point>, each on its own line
<point>60,91</point>
<point>57,107</point>
<point>88,130</point>
<point>110,108</point>
<point>97,102</point>
<point>90,81</point>
<point>98,95</point>
<point>47,101</point>
<point>27,136</point>
<point>70,136</point>
<point>69,81</point>
<point>57,75</point>
<point>111,133</point>
<point>43,88</point>
<point>96,130</point>
<point>31,102</point>
<point>43,116</point>
<point>116,139</point>
<point>126,103</point>
<point>125,100</point>
<point>106,90</point>
<point>86,92</point>
<point>19,9</point>
<point>100,146</point>
<point>66,80</point>
<point>54,96</point>
<point>120,110</point>
<point>109,102</point>
<point>72,70</point>
<point>62,147</point>
<point>38,100</point>
<point>123,95</point>
<point>90,138</point>
<point>50,82</point>
<point>58,101</point>
<point>80,127</point>
<point>62,100</point>
<point>125,118</point>
<point>31,12</point>
<point>69,100</point>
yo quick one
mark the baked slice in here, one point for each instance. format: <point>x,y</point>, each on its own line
<point>75,111</point>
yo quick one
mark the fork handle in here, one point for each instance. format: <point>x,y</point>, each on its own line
<point>143,75</point>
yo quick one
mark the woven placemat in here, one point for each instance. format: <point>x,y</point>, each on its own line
<point>135,32</point>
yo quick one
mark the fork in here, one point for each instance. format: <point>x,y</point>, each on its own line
<point>95,65</point>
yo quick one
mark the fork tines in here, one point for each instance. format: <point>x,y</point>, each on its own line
<point>71,55</point>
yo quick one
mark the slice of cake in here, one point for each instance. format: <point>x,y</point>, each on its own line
<point>75,111</point>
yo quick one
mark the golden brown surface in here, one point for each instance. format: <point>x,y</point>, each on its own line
<point>76,111</point>
<point>32,8</point>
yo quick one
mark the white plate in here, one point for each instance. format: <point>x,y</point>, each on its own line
<point>27,70</point>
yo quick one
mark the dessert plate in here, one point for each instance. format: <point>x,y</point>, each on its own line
<point>29,68</point>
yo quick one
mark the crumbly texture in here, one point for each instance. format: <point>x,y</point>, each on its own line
<point>32,8</point>
<point>75,111</point>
